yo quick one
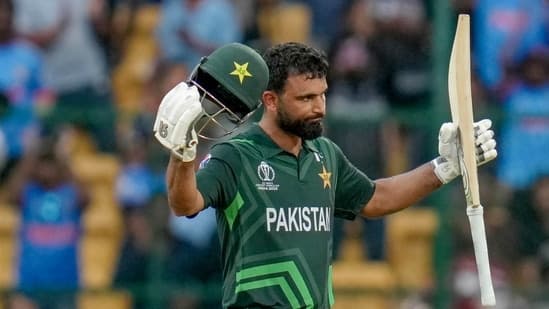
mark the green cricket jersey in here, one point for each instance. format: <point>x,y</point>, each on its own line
<point>275,217</point>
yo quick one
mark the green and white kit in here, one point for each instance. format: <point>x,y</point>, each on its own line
<point>275,216</point>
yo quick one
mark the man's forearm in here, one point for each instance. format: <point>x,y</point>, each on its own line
<point>183,196</point>
<point>395,193</point>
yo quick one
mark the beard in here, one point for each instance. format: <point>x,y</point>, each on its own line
<point>305,129</point>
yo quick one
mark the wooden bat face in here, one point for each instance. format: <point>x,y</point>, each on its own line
<point>459,91</point>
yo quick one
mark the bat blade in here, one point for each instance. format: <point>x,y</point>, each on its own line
<point>452,82</point>
<point>459,91</point>
<point>463,106</point>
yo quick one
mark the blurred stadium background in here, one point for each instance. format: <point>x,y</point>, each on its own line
<point>87,76</point>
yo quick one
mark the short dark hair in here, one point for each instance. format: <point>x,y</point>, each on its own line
<point>293,58</point>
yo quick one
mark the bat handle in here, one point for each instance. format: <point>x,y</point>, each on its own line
<point>476,220</point>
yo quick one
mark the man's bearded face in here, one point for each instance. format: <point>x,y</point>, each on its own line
<point>305,128</point>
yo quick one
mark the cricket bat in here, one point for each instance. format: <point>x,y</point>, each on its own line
<point>459,91</point>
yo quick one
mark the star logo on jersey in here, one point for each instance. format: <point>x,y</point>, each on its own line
<point>241,70</point>
<point>325,176</point>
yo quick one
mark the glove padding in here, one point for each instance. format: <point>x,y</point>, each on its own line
<point>174,125</point>
<point>447,164</point>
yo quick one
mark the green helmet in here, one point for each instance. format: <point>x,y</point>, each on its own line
<point>239,69</point>
<point>233,77</point>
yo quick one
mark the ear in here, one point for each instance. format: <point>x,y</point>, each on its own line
<point>270,100</point>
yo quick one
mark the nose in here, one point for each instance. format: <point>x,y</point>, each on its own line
<point>319,105</point>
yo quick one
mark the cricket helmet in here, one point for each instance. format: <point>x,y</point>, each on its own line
<point>231,81</point>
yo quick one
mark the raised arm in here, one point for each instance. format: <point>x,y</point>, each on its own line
<point>401,191</point>
<point>183,196</point>
<point>174,129</point>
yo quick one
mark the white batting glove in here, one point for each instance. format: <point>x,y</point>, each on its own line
<point>447,164</point>
<point>174,125</point>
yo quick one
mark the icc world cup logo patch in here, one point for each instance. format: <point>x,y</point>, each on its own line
<point>266,174</point>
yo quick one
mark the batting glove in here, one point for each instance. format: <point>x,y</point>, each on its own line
<point>447,164</point>
<point>174,125</point>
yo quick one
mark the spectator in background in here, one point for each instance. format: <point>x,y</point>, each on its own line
<point>21,91</point>
<point>75,66</point>
<point>247,11</point>
<point>326,17</point>
<point>354,64</point>
<point>191,29</point>
<point>115,21</point>
<point>504,31</point>
<point>402,46</point>
<point>355,98</point>
<point>280,21</point>
<point>133,50</point>
<point>530,210</point>
<point>4,149</point>
<point>51,203</point>
<point>136,187</point>
<point>194,260</point>
<point>525,241</point>
<point>526,124</point>
<point>194,257</point>
<point>136,184</point>
<point>402,43</point>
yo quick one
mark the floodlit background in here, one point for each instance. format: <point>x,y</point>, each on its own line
<point>80,82</point>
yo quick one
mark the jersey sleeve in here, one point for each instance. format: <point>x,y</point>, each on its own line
<point>217,179</point>
<point>354,189</point>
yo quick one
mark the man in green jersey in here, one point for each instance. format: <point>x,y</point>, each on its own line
<point>278,185</point>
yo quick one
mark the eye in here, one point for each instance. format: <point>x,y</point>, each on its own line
<point>307,98</point>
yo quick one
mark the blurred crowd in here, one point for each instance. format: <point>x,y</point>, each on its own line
<point>101,67</point>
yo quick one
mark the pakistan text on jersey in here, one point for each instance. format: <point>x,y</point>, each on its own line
<point>298,219</point>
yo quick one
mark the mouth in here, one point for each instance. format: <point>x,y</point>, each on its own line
<point>315,120</point>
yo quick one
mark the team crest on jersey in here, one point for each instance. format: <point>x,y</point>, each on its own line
<point>267,175</point>
<point>325,176</point>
